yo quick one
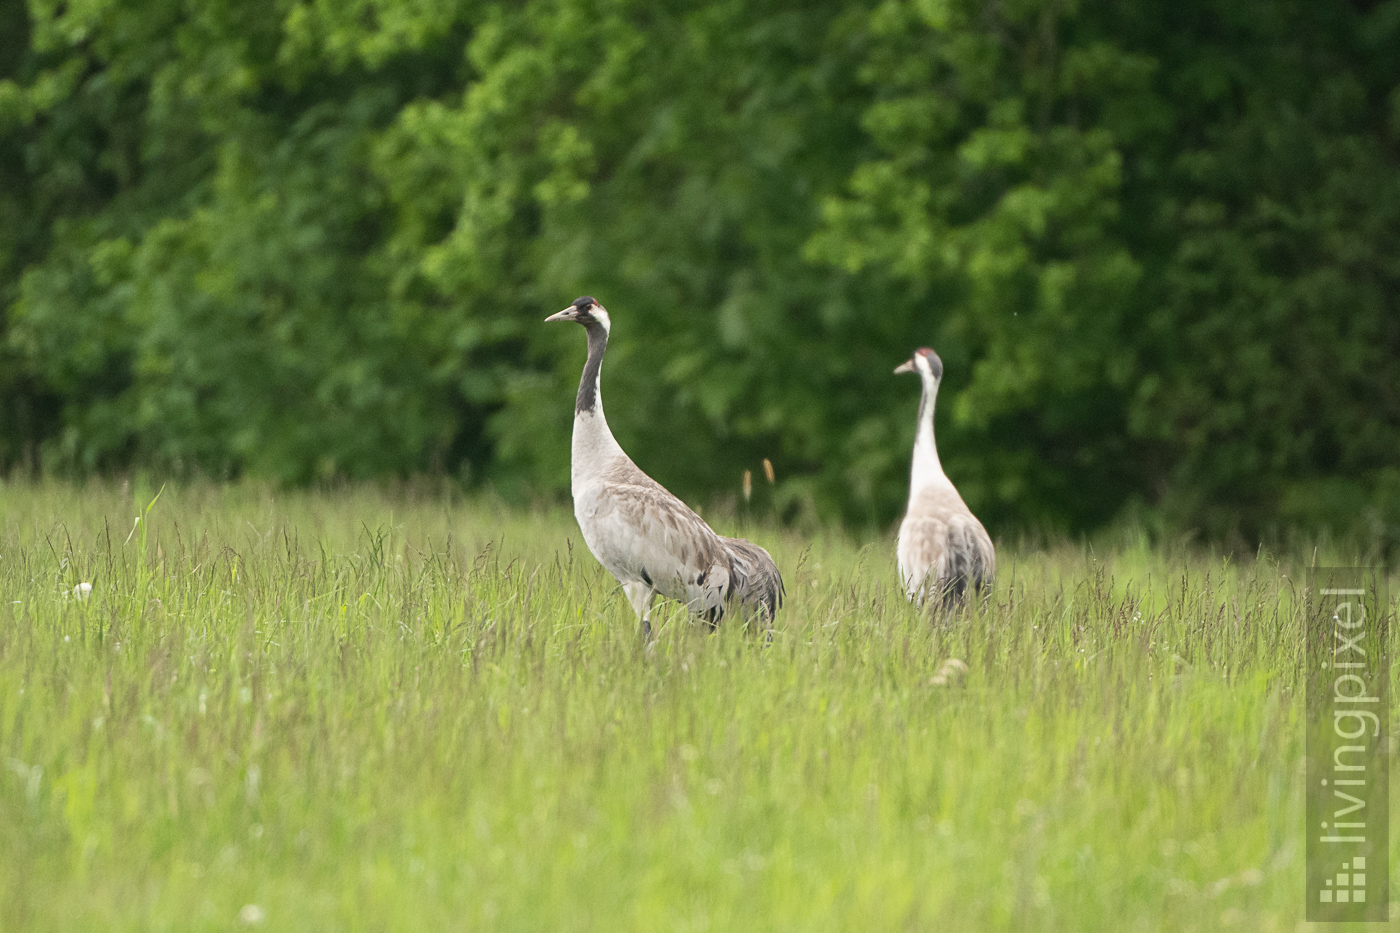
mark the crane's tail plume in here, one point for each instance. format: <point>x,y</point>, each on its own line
<point>755,583</point>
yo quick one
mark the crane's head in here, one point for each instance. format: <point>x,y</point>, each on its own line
<point>585,311</point>
<point>924,362</point>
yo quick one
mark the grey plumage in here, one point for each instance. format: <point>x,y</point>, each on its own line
<point>943,549</point>
<point>755,577</point>
<point>653,543</point>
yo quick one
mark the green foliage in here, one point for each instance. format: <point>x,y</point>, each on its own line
<point>1153,245</point>
<point>1271,335</point>
<point>401,712</point>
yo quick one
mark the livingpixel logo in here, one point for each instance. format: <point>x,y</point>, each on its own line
<point>1348,810</point>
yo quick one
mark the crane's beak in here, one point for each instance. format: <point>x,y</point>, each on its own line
<point>566,315</point>
<point>906,367</point>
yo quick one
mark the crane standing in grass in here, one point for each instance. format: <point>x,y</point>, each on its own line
<point>943,548</point>
<point>650,540</point>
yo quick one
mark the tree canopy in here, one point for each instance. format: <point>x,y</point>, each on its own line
<point>1156,245</point>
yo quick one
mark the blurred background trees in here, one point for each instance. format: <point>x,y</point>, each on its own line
<point>1157,246</point>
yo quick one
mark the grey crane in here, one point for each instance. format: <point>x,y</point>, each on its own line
<point>652,542</point>
<point>943,549</point>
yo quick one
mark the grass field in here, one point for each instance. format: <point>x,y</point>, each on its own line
<point>390,711</point>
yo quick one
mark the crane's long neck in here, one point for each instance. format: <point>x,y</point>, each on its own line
<point>593,443</point>
<point>927,470</point>
<point>590,398</point>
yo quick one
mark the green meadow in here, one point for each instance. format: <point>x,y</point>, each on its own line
<point>408,711</point>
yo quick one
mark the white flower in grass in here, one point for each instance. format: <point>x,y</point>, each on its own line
<point>251,913</point>
<point>82,591</point>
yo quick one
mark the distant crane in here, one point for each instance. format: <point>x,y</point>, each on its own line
<point>943,548</point>
<point>650,540</point>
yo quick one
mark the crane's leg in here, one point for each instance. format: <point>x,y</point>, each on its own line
<point>641,596</point>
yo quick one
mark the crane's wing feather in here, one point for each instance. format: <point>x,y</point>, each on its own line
<point>641,532</point>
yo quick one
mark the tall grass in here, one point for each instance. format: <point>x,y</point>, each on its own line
<point>375,711</point>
